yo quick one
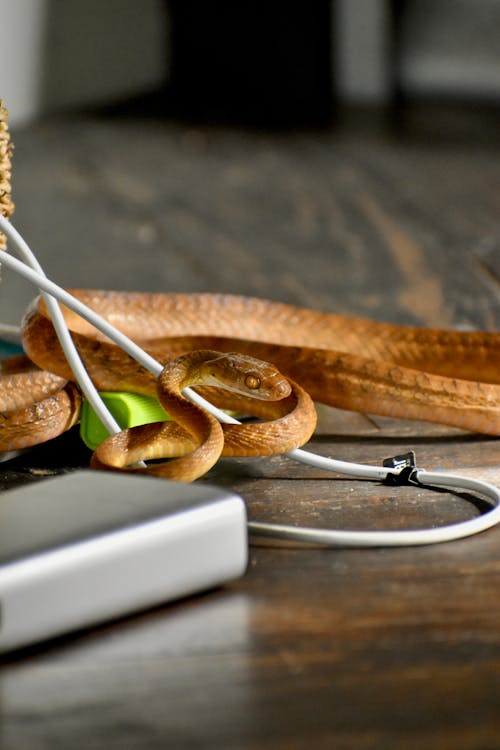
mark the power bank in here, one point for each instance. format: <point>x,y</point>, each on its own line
<point>90,546</point>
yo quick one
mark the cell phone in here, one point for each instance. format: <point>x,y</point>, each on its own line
<point>90,546</point>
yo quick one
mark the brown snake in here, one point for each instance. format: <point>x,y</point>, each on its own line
<point>444,376</point>
<point>255,387</point>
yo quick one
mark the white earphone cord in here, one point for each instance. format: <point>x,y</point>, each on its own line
<point>32,271</point>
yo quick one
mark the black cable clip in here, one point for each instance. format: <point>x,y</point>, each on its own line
<point>407,469</point>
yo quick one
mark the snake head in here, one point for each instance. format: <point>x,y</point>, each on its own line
<point>246,376</point>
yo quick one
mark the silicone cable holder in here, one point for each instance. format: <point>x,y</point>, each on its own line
<point>129,410</point>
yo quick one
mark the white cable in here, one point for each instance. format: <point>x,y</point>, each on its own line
<point>63,334</point>
<point>301,534</point>
<point>44,283</point>
<point>136,352</point>
<point>337,538</point>
<point>361,471</point>
<point>30,273</point>
<point>149,363</point>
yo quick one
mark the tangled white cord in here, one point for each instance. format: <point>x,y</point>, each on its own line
<point>31,270</point>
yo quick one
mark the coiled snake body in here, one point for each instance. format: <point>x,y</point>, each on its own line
<point>352,363</point>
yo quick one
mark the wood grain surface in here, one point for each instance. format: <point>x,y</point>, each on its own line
<point>313,648</point>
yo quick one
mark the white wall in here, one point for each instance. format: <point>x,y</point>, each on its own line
<point>21,52</point>
<point>361,44</point>
<point>452,46</point>
<point>61,53</point>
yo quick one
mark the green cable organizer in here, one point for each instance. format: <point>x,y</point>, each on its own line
<point>129,410</point>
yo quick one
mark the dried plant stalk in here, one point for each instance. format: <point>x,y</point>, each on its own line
<point>6,204</point>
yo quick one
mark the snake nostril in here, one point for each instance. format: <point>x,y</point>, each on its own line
<point>283,389</point>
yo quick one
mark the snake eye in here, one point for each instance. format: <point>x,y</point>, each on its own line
<point>252,382</point>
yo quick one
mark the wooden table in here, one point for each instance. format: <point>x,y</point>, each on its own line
<point>313,648</point>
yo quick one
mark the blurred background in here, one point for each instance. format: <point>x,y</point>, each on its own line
<point>267,63</point>
<point>238,140</point>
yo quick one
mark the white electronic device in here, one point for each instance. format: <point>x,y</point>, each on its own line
<point>86,547</point>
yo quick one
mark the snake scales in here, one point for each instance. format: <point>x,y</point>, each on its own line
<point>444,376</point>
